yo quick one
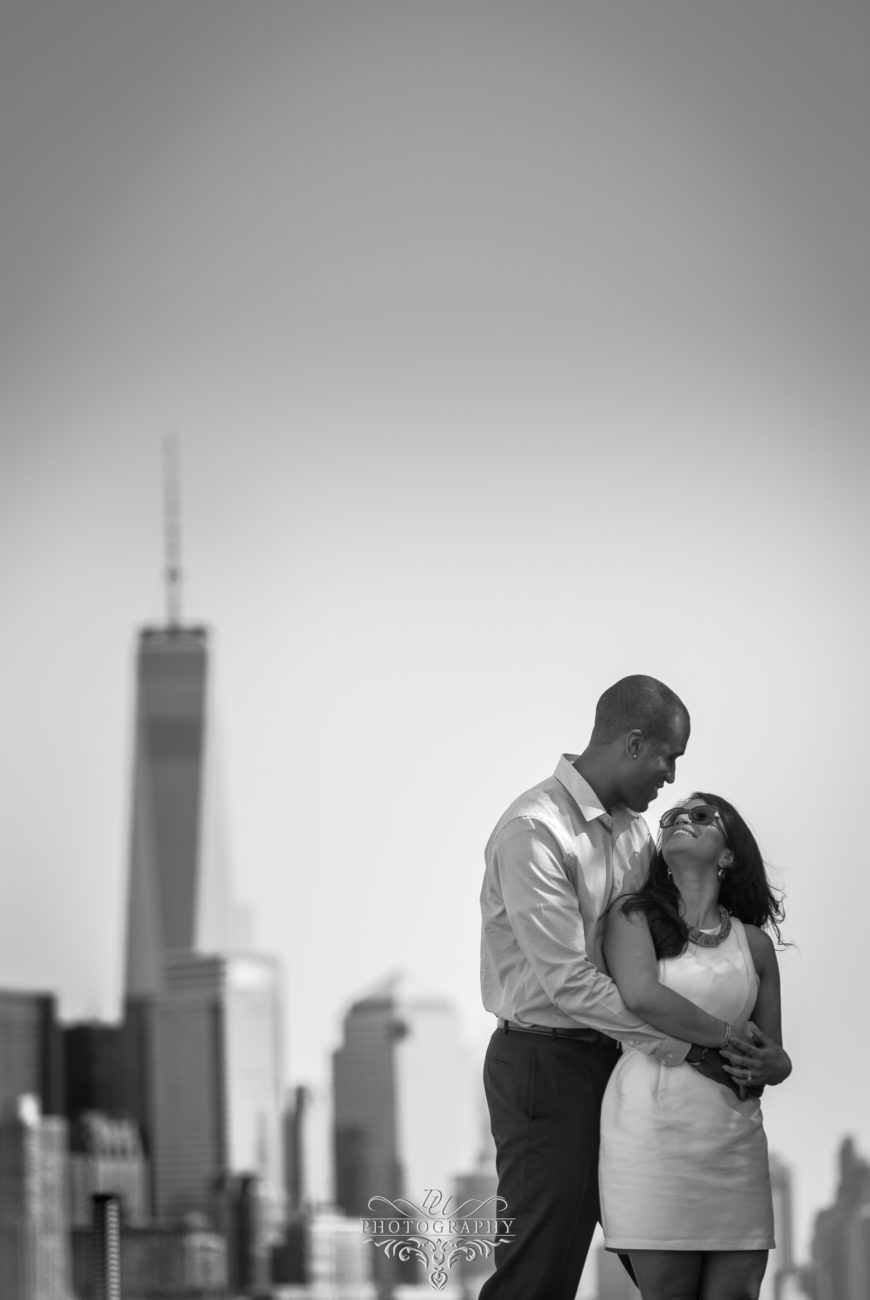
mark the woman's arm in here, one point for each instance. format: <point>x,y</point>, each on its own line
<point>633,966</point>
<point>760,1053</point>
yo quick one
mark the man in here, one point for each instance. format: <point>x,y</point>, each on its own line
<point>555,860</point>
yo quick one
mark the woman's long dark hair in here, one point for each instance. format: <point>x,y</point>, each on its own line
<point>745,890</point>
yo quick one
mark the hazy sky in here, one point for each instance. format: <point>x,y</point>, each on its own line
<point>511,348</point>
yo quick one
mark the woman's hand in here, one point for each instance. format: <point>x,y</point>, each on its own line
<point>756,1060</point>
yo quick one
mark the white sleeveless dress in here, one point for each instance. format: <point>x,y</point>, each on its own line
<point>683,1161</point>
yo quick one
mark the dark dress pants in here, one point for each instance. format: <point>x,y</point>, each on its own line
<point>544,1096</point>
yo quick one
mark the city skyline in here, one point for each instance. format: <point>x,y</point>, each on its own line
<point>811,1208</point>
<point>509,352</point>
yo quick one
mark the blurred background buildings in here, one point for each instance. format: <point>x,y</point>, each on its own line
<point>221,1184</point>
<point>468,313</point>
<point>177,1116</point>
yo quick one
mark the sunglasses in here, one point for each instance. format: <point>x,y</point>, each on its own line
<point>703,814</point>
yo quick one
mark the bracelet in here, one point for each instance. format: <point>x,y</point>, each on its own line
<point>727,1039</point>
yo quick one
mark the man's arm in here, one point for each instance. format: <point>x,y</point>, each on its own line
<point>543,910</point>
<point>711,1064</point>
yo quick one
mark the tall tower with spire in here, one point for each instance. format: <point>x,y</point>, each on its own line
<point>199,1050</point>
<point>179,897</point>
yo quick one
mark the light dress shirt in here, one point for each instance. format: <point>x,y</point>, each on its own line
<point>554,861</point>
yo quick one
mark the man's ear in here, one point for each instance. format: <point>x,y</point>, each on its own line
<point>633,742</point>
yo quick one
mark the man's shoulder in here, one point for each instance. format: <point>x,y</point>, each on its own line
<point>540,796</point>
<point>546,804</point>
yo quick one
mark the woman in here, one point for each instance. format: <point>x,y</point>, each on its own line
<point>685,1186</point>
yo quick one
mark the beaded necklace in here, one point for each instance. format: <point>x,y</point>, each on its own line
<point>706,940</point>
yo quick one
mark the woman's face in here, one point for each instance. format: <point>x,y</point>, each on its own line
<point>695,843</point>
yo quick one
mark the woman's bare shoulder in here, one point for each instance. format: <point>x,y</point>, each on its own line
<point>760,945</point>
<point>636,915</point>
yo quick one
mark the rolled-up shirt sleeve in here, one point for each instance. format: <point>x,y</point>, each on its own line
<point>542,910</point>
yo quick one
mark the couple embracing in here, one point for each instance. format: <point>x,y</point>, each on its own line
<point>636,991</point>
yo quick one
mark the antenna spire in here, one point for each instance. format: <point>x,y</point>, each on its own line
<point>172,529</point>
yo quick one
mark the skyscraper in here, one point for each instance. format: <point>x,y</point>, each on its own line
<point>178,890</point>
<point>179,896</point>
<point>91,1067</point>
<point>217,1081</point>
<point>106,1158</point>
<point>34,1231</point>
<point>308,1157</point>
<point>31,1049</point>
<point>403,1107</point>
<point>841,1235</point>
<point>780,1262</point>
<point>404,1102</point>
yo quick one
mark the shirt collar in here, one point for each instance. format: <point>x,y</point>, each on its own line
<point>582,793</point>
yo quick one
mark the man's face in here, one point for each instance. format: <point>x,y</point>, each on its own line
<point>655,765</point>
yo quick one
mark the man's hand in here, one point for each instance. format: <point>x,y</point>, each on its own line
<point>713,1067</point>
<point>756,1059</point>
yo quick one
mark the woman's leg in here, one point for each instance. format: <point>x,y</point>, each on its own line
<point>667,1274</point>
<point>732,1274</point>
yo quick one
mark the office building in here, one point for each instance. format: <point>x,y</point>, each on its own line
<point>308,1149</point>
<point>404,1098</point>
<point>780,1263</point>
<point>106,1243</point>
<point>243,1218</point>
<point>34,1230</point>
<point>475,1194</point>
<point>841,1237</point>
<point>106,1158</point>
<point>185,1261</point>
<point>31,1050</point>
<point>217,1082</point>
<point>92,1072</point>
<point>179,896</point>
<point>404,1106</point>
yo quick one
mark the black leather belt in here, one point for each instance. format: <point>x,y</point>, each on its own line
<point>578,1035</point>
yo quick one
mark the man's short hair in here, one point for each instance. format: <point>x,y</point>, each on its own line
<point>637,703</point>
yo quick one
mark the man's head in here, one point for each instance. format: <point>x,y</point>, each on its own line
<point>641,729</point>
